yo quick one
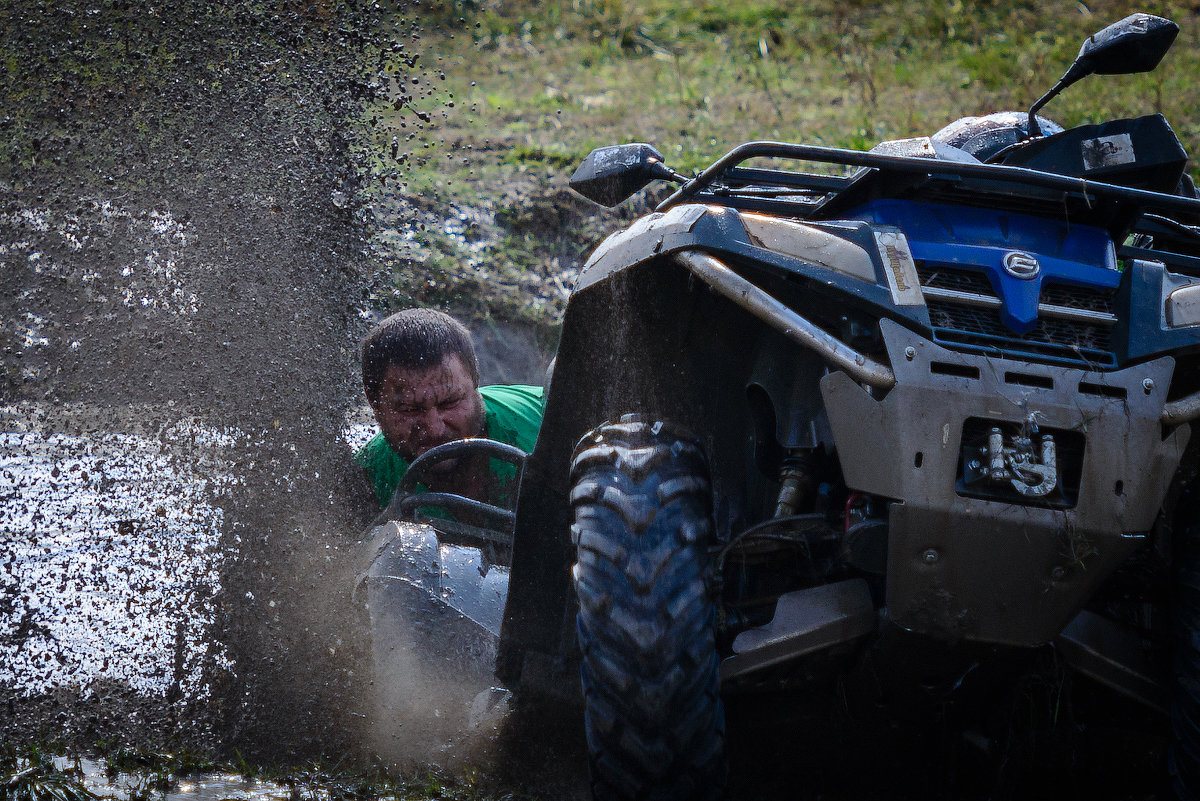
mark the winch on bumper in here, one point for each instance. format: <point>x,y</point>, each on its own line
<point>972,517</point>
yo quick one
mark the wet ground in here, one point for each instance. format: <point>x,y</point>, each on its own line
<point>212,786</point>
<point>121,776</point>
<point>112,579</point>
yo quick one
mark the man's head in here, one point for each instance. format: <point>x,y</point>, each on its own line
<point>422,380</point>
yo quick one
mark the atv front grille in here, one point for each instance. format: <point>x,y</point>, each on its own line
<point>1078,297</point>
<point>1074,324</point>
<point>954,279</point>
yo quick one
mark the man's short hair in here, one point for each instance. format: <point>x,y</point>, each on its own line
<point>414,339</point>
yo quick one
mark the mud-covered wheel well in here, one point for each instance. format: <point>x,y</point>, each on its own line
<point>650,339</point>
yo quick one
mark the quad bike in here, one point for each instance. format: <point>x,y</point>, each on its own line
<point>938,401</point>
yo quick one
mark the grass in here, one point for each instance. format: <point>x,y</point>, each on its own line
<point>31,773</point>
<point>516,93</point>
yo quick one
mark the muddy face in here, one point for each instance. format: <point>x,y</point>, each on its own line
<point>419,409</point>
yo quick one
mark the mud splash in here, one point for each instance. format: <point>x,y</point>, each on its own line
<point>114,553</point>
<point>182,256</point>
<point>186,266</point>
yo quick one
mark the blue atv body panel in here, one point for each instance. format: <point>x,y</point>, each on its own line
<point>1074,255</point>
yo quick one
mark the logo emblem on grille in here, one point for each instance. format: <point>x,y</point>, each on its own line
<point>1021,265</point>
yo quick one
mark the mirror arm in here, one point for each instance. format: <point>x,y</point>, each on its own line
<point>1080,68</point>
<point>1033,129</point>
<point>661,171</point>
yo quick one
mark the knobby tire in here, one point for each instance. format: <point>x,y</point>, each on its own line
<point>653,714</point>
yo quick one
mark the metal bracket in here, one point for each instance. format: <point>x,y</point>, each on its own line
<point>805,621</point>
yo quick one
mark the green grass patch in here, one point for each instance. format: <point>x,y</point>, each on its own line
<point>533,154</point>
<point>535,87</point>
<point>33,773</point>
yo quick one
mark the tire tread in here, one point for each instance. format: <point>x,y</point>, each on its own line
<point>654,719</point>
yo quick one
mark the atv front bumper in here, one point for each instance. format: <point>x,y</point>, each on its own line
<point>961,564</point>
<point>1003,570</point>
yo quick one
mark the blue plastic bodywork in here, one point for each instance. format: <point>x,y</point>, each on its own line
<point>940,235</point>
<point>966,239</point>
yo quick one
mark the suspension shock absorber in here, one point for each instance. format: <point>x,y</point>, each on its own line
<point>795,480</point>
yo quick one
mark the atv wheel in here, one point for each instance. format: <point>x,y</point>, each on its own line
<point>1185,705</point>
<point>653,716</point>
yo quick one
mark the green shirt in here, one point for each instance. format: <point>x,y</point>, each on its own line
<point>513,415</point>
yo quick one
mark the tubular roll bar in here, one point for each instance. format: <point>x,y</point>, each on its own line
<point>1183,410</point>
<point>726,282</point>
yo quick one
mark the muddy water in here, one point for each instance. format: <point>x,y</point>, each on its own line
<point>183,265</point>
<point>181,273</point>
<point>172,501</point>
<point>212,786</point>
<point>114,546</point>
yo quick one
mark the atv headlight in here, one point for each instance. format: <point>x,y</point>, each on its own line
<point>1183,306</point>
<point>810,244</point>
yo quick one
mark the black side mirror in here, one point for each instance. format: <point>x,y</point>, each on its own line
<point>1134,44</point>
<point>611,174</point>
